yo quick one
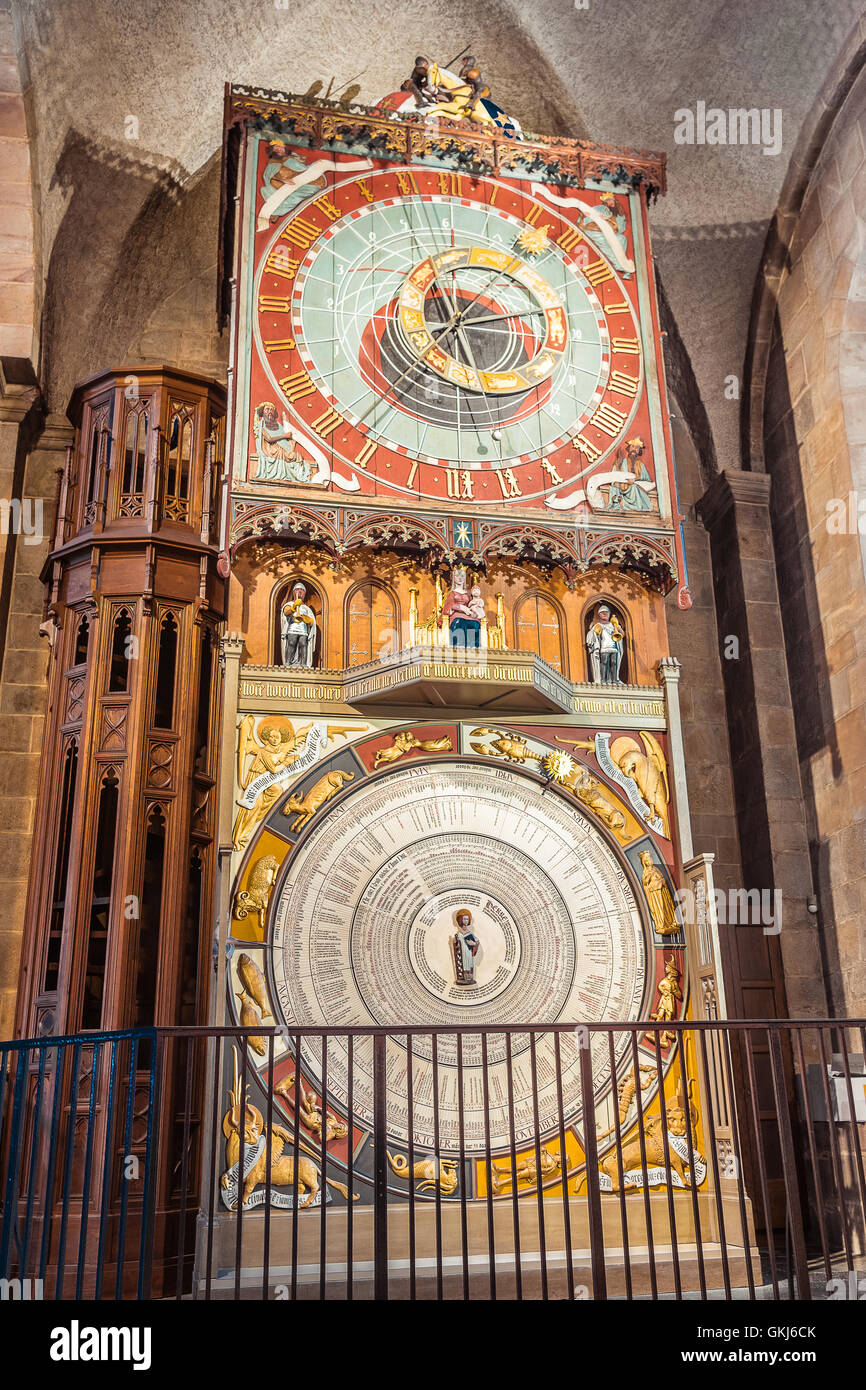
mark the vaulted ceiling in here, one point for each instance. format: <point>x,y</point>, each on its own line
<point>126,224</point>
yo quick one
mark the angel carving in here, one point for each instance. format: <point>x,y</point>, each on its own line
<point>648,768</point>
<point>276,746</point>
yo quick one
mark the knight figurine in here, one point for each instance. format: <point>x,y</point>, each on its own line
<point>298,629</point>
<point>604,643</point>
<point>420,85</point>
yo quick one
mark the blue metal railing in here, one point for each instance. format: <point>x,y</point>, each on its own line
<point>77,1227</point>
<point>112,1183</point>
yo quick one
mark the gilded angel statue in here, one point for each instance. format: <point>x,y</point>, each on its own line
<point>276,746</point>
<point>648,768</point>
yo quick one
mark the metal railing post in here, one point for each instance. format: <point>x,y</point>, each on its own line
<point>380,1170</point>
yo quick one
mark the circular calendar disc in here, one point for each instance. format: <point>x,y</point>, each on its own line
<point>366,926</point>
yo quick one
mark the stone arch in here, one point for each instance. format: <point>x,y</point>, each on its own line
<point>530,612</point>
<point>621,609</point>
<point>317,598</point>
<point>364,631</point>
<point>780,245</point>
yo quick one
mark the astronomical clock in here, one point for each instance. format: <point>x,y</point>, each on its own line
<point>455,795</point>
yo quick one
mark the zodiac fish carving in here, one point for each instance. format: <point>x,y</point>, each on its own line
<point>512,747</point>
<point>250,1019</point>
<point>526,1171</point>
<point>320,793</point>
<point>406,742</point>
<point>253,982</point>
<point>430,1171</point>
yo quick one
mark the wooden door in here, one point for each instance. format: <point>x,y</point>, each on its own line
<point>371,624</point>
<point>540,630</point>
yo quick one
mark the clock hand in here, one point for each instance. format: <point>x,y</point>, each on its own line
<point>442,290</point>
<point>497,318</point>
<point>412,365</point>
<point>463,339</point>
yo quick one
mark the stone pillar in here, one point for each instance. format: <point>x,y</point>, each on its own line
<point>669,673</point>
<point>23,692</point>
<point>231,651</point>
<point>776,973</point>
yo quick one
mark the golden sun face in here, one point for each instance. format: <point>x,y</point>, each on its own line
<point>533,240</point>
<point>559,766</point>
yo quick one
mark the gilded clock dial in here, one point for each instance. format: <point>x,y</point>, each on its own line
<point>470,346</point>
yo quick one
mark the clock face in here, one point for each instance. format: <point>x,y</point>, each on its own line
<point>364,924</point>
<point>447,337</point>
<point>444,889</point>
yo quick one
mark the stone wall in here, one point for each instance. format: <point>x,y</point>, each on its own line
<point>815,452</point>
<point>23,693</point>
<point>16,205</point>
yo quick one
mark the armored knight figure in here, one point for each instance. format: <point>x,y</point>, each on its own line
<point>298,630</point>
<point>604,643</point>
<point>470,73</point>
<point>420,85</point>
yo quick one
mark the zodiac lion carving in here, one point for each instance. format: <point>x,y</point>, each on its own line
<point>253,900</point>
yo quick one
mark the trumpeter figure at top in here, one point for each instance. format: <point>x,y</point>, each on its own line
<point>298,629</point>
<point>604,644</point>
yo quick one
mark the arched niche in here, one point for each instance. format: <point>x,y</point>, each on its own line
<point>588,617</point>
<point>315,599</point>
<point>371,622</point>
<point>540,627</point>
